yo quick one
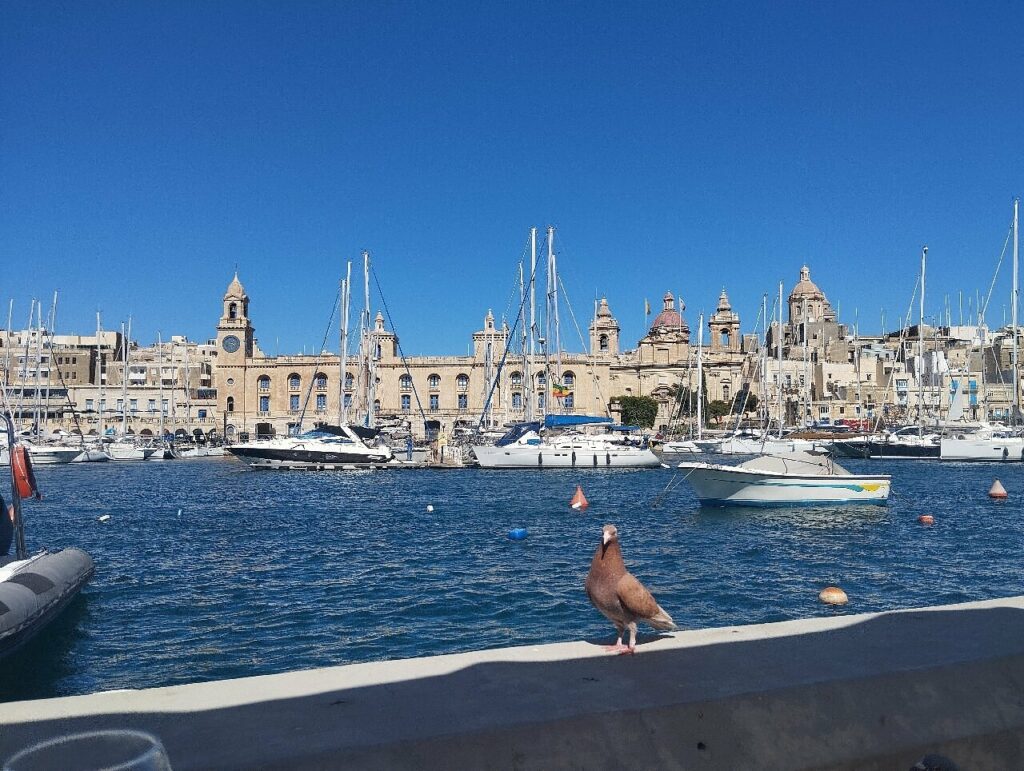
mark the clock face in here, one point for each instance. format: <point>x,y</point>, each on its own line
<point>230,343</point>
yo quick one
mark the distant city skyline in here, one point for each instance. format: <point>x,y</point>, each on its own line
<point>148,150</point>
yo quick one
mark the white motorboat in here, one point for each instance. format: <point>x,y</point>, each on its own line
<point>680,447</point>
<point>986,444</point>
<point>790,479</point>
<point>51,454</point>
<point>325,447</point>
<point>125,449</point>
<point>524,447</point>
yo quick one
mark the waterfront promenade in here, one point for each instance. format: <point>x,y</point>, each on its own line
<point>871,691</point>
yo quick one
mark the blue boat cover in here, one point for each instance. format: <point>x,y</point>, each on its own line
<point>558,421</point>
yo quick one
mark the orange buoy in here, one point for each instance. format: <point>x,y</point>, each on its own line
<point>997,491</point>
<point>926,519</point>
<point>579,500</point>
<point>833,595</point>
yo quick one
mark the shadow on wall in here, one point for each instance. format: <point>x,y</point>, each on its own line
<point>877,693</point>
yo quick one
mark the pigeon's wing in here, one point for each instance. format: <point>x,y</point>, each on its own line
<point>635,598</point>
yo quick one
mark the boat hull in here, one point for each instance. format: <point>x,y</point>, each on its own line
<point>731,486</point>
<point>883,450</point>
<point>273,458</point>
<point>34,592</point>
<point>547,457</point>
<point>1002,450</point>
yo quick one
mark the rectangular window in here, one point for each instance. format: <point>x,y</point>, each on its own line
<point>120,404</point>
<point>434,402</point>
<point>133,405</point>
<point>517,401</point>
<point>103,405</point>
<point>463,401</point>
<point>348,400</point>
<point>152,405</point>
<point>202,414</point>
<point>163,406</point>
<point>293,402</point>
<point>89,404</point>
<point>264,404</point>
<point>321,401</point>
<point>406,402</point>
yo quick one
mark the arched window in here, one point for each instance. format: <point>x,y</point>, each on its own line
<point>263,384</point>
<point>349,381</point>
<point>231,404</point>
<point>568,379</point>
<point>542,380</point>
<point>434,382</point>
<point>233,311</point>
<point>405,383</point>
<point>321,381</point>
<point>294,382</point>
<point>602,342</point>
<point>516,378</point>
<point>376,406</point>
<point>462,382</point>
<point>725,393</point>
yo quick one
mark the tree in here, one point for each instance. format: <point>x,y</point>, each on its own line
<point>638,410</point>
<point>718,409</point>
<point>744,402</point>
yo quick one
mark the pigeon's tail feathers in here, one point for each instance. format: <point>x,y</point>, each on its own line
<point>663,621</point>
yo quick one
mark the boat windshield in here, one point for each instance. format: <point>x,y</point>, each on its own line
<point>516,433</point>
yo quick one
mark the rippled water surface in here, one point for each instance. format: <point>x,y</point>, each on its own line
<point>272,571</point>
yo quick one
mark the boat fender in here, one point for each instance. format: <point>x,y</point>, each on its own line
<point>24,478</point>
<point>573,457</point>
<point>540,459</point>
<point>608,459</point>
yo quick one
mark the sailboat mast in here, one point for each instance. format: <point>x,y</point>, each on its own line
<point>531,387</point>
<point>700,377</point>
<point>160,381</point>
<point>920,348</point>
<point>370,348</point>
<point>779,347</point>
<point>39,367</point>
<point>1016,385</point>
<point>553,267</point>
<point>101,396</point>
<point>346,300</point>
<point>806,396</point>
<point>124,376</point>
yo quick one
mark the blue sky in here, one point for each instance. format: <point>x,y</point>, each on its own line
<point>146,149</point>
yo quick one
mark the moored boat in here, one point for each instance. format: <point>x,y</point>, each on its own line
<point>325,447</point>
<point>791,479</point>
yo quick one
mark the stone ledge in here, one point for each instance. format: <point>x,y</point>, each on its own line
<point>864,691</point>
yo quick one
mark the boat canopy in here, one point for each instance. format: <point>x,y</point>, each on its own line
<point>560,421</point>
<point>517,431</point>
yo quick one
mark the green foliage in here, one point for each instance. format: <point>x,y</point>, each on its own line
<point>744,402</point>
<point>718,409</point>
<point>638,410</point>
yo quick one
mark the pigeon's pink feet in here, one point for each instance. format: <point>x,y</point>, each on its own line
<point>618,648</point>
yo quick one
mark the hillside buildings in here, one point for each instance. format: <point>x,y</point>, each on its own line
<point>811,366</point>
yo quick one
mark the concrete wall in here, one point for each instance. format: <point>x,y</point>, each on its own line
<point>873,691</point>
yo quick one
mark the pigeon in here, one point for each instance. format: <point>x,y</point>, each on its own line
<point>933,762</point>
<point>615,592</point>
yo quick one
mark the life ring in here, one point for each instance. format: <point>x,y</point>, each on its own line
<point>21,469</point>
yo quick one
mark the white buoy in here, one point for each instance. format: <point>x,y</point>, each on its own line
<point>105,518</point>
<point>179,512</point>
<point>429,508</point>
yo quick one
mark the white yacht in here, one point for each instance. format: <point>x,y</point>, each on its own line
<point>988,443</point>
<point>524,446</point>
<point>325,447</point>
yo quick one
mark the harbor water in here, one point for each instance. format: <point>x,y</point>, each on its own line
<point>208,570</point>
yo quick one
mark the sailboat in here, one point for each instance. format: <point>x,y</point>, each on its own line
<point>560,440</point>
<point>992,443</point>
<point>125,447</point>
<point>345,446</point>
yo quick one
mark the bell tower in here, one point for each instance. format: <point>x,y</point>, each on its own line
<point>724,326</point>
<point>604,331</point>
<point>234,330</point>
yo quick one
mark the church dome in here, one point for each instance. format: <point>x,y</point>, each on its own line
<point>805,288</point>
<point>670,318</point>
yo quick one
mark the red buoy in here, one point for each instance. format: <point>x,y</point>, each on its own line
<point>997,491</point>
<point>926,519</point>
<point>579,500</point>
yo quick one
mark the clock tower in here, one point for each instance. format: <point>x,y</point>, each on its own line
<point>235,343</point>
<point>234,330</point>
